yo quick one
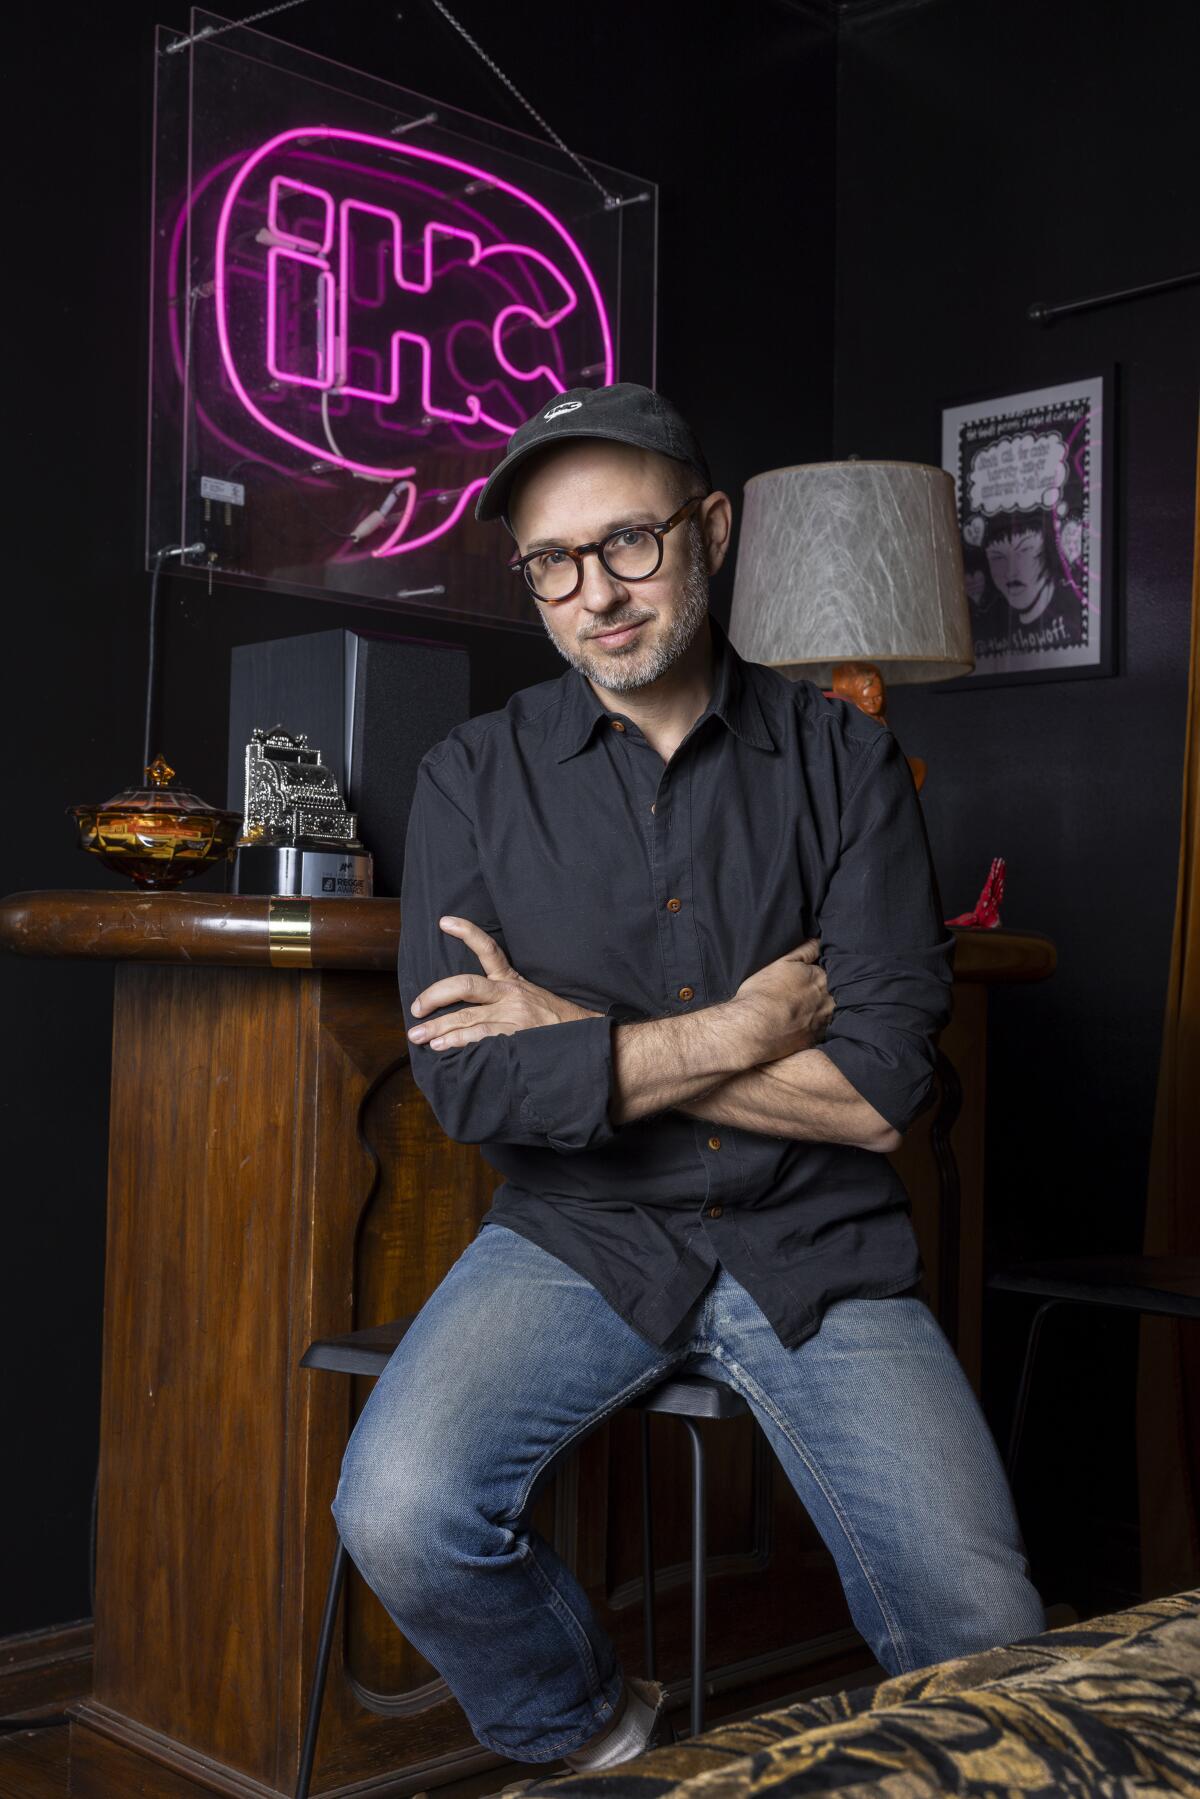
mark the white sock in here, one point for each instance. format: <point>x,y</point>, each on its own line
<point>623,1741</point>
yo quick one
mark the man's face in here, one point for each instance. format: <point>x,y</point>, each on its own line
<point>579,493</point>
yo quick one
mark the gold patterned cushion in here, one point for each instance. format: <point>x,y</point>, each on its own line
<point>1109,1707</point>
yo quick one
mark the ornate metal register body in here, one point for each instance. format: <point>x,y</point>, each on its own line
<point>297,836</point>
<point>290,794</point>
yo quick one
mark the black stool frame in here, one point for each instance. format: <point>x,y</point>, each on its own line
<point>1160,1286</point>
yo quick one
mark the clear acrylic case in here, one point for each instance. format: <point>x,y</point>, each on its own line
<point>357,292</point>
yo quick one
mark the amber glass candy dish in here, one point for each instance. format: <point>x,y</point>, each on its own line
<point>158,835</point>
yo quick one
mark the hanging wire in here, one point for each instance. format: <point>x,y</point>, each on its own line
<point>152,646</point>
<point>160,556</point>
<point>215,30</point>
<point>610,200</point>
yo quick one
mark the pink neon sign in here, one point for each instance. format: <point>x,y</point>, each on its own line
<point>361,322</point>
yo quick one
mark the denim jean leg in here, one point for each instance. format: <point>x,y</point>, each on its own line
<point>513,1358</point>
<point>884,1441</point>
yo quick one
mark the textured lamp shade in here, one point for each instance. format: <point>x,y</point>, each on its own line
<point>847,561</point>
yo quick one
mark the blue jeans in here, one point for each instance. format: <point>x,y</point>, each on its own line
<point>515,1355</point>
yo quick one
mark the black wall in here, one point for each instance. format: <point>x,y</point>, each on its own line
<point>730,110</point>
<point>990,155</point>
<point>986,154</point>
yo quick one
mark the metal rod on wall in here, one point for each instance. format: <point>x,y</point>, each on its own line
<point>1041,314</point>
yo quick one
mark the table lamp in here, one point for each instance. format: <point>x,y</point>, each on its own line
<point>847,570</point>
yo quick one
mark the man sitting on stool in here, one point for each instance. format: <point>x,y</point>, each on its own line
<point>687,912</point>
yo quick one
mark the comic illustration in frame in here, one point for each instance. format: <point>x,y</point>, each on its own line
<point>1033,478</point>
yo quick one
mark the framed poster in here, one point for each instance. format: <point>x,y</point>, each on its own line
<point>1033,477</point>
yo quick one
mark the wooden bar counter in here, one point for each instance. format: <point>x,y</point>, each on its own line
<point>275,1175</point>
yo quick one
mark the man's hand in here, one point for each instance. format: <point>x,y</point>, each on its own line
<point>664,1062</point>
<point>504,1000</point>
<point>785,1009</point>
<point>786,1005</point>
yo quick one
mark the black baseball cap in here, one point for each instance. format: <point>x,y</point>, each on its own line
<point>625,413</point>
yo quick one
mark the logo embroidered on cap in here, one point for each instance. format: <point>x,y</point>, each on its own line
<point>567,406</point>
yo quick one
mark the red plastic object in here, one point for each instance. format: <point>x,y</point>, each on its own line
<point>985,914</point>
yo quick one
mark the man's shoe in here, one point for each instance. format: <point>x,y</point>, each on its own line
<point>662,1731</point>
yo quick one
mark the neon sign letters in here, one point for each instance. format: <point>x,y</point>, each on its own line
<point>389,310</point>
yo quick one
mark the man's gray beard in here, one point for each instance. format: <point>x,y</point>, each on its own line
<point>625,674</point>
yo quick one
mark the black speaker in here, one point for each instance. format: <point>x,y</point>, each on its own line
<point>370,702</point>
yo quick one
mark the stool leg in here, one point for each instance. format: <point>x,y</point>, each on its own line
<point>1022,1400</point>
<point>312,1722</point>
<point>699,1571</point>
<point>647,1553</point>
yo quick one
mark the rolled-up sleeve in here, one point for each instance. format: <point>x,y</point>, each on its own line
<point>547,1086</point>
<point>888,955</point>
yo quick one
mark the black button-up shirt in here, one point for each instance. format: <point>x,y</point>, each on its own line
<point>641,888</point>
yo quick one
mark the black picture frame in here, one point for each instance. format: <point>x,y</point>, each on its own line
<point>998,447</point>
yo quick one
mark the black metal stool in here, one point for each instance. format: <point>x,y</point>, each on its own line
<point>1167,1286</point>
<point>688,1397</point>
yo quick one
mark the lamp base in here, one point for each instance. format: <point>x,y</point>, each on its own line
<point>863,685</point>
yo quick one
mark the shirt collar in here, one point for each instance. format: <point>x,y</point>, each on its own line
<point>733,700</point>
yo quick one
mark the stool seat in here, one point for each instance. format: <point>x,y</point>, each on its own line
<point>1166,1285</point>
<point>359,1352</point>
<point>691,1396</point>
<point>369,1351</point>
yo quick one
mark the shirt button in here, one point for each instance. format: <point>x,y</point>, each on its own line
<point>652,805</point>
<point>714,1143</point>
<point>673,905</point>
<point>687,992</point>
<point>715,1211</point>
<point>617,725</point>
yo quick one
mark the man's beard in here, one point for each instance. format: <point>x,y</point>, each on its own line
<point>624,674</point>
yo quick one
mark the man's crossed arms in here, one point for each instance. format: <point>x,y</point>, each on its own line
<point>751,1061</point>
